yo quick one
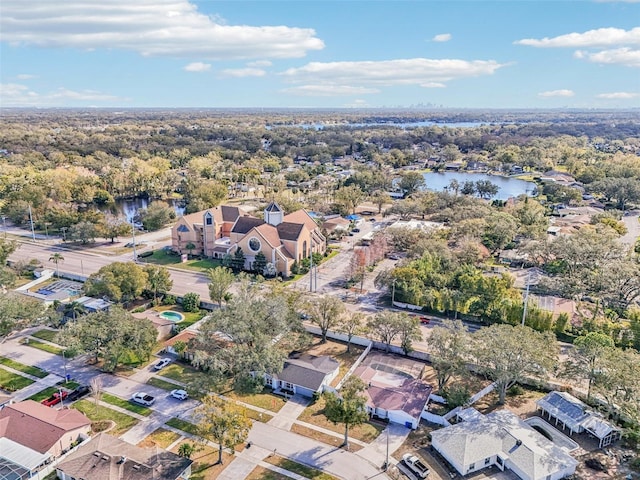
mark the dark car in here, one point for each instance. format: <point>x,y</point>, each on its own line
<point>356,230</point>
<point>79,392</point>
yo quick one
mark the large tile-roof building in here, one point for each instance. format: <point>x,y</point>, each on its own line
<point>282,239</point>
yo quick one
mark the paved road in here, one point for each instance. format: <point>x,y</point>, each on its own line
<point>84,263</point>
<point>633,229</point>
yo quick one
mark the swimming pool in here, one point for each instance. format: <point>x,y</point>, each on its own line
<point>175,317</point>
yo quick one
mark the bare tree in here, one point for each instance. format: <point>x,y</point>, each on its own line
<point>96,388</point>
<point>325,312</point>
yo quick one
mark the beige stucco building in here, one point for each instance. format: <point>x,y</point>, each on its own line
<point>282,239</point>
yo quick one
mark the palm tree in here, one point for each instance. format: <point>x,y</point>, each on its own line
<point>191,247</point>
<point>74,308</point>
<point>56,258</point>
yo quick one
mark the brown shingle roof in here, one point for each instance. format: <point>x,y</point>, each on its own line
<point>289,231</point>
<point>221,213</point>
<point>245,224</point>
<point>105,458</point>
<point>33,425</point>
<point>301,216</point>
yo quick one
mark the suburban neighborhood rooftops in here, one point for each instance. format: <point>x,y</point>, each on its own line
<point>19,421</point>
<point>107,457</point>
<point>504,434</point>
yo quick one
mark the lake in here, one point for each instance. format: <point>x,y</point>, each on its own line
<point>421,123</point>
<point>128,208</point>
<point>507,186</point>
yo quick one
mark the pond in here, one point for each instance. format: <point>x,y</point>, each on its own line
<point>128,207</point>
<point>507,186</point>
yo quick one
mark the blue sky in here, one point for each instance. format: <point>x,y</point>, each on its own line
<point>304,53</point>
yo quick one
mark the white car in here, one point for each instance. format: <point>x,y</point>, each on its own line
<point>162,363</point>
<point>143,399</point>
<point>179,394</point>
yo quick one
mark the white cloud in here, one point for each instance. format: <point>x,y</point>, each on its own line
<point>243,72</point>
<point>442,37</point>
<point>259,63</point>
<point>150,27</point>
<point>26,76</point>
<point>328,90</point>
<point>197,67</point>
<point>415,71</point>
<point>601,37</point>
<point>16,95</point>
<point>557,93</point>
<point>618,56</point>
<point>618,95</point>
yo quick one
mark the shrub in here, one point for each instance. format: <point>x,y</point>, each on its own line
<point>191,302</point>
<point>138,309</point>
<point>456,396</point>
<point>169,300</point>
<point>515,391</point>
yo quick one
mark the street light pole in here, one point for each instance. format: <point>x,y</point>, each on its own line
<point>33,232</point>
<point>4,222</point>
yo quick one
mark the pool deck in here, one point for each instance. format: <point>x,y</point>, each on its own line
<point>557,437</point>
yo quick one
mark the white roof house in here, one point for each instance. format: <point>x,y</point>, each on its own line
<point>504,440</point>
<point>575,415</point>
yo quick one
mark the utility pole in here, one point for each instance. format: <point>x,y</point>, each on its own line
<point>393,292</point>
<point>33,232</point>
<point>133,234</point>
<point>526,298</point>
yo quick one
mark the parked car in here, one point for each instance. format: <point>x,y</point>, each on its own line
<point>162,363</point>
<point>143,399</point>
<point>425,320</point>
<point>356,230</point>
<point>416,464</point>
<point>79,392</point>
<point>55,399</point>
<point>179,394</point>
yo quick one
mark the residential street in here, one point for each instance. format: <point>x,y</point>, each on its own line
<point>264,437</point>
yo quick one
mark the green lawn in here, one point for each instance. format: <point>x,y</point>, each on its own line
<point>46,347</point>
<point>182,425</point>
<point>268,401</point>
<point>156,382</point>
<point>314,414</point>
<point>45,334</point>
<point>12,382</point>
<point>42,394</point>
<point>127,405</point>
<point>21,367</point>
<point>300,469</point>
<point>160,257</point>
<point>161,438</point>
<point>99,413</point>
<point>181,372</point>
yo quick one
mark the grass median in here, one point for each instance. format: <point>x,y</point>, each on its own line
<point>21,367</point>
<point>99,413</point>
<point>13,382</point>
<point>126,404</point>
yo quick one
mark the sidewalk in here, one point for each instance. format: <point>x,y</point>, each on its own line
<point>289,412</point>
<point>41,383</point>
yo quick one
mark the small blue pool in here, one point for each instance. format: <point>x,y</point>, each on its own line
<point>175,317</point>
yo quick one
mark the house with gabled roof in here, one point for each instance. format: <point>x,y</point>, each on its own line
<point>282,239</point>
<point>304,374</point>
<point>108,458</point>
<point>576,416</point>
<point>503,440</point>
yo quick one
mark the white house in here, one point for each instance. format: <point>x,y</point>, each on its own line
<point>304,375</point>
<point>504,440</point>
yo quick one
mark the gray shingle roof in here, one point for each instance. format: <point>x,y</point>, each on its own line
<point>245,224</point>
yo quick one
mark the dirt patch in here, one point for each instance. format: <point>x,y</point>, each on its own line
<point>613,462</point>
